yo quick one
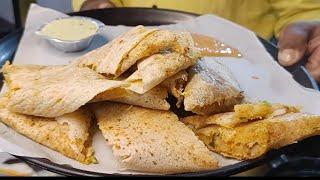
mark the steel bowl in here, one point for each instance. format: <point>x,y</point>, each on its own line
<point>71,46</point>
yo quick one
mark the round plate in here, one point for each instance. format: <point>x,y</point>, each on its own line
<point>148,16</point>
<point>224,171</point>
<point>137,16</point>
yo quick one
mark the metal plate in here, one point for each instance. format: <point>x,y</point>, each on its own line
<point>147,16</point>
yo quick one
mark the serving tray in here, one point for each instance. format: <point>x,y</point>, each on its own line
<point>148,16</point>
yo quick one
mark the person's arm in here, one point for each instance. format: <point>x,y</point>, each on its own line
<point>298,32</point>
<point>82,5</point>
<point>291,11</point>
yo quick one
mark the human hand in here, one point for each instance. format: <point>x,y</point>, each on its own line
<point>297,40</point>
<point>96,4</point>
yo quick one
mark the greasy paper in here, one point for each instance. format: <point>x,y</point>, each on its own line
<point>259,76</point>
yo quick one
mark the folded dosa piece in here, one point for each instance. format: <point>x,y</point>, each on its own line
<point>211,89</point>
<point>155,69</point>
<point>108,58</point>
<point>69,134</point>
<point>119,55</point>
<point>175,85</point>
<point>160,41</point>
<point>51,91</point>
<point>242,113</point>
<point>154,99</point>
<point>254,111</point>
<point>196,122</point>
<point>152,141</point>
<point>253,139</point>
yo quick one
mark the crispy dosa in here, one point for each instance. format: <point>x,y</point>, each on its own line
<point>154,99</point>
<point>175,85</point>
<point>160,41</point>
<point>242,113</point>
<point>254,111</point>
<point>151,141</point>
<point>68,134</point>
<point>51,91</point>
<point>108,58</point>
<point>211,89</point>
<point>119,55</point>
<point>155,69</point>
<point>252,139</point>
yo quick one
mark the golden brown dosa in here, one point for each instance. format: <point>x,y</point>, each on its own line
<point>154,99</point>
<point>242,113</point>
<point>175,85</point>
<point>253,139</point>
<point>108,59</point>
<point>51,91</point>
<point>119,55</point>
<point>151,141</point>
<point>69,134</point>
<point>155,69</point>
<point>211,89</point>
<point>160,41</point>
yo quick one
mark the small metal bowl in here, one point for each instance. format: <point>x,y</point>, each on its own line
<point>72,46</point>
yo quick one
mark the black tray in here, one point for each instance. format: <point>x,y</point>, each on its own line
<point>147,16</point>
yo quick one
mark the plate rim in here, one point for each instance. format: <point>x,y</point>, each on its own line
<point>191,14</point>
<point>61,169</point>
<point>223,171</point>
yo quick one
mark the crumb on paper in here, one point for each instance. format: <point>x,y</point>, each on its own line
<point>255,77</point>
<point>130,107</point>
<point>266,102</point>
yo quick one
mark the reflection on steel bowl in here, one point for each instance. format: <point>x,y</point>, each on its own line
<point>71,33</point>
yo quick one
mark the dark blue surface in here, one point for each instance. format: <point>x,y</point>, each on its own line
<point>8,46</point>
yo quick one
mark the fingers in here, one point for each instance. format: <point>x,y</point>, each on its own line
<point>315,74</point>
<point>288,57</point>
<point>293,42</point>
<point>314,60</point>
<point>314,40</point>
<point>299,39</point>
<point>313,44</point>
<point>313,64</point>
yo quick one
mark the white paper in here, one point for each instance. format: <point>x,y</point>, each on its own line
<point>258,74</point>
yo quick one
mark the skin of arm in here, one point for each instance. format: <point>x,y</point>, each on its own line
<point>96,4</point>
<point>298,32</point>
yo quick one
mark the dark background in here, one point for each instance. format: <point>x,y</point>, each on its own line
<point>12,16</point>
